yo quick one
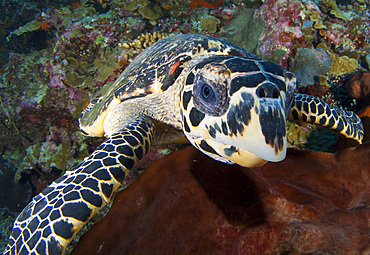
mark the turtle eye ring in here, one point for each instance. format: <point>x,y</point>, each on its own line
<point>207,93</point>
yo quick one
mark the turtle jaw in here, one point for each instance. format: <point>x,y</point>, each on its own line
<point>227,153</point>
<point>248,148</point>
<point>237,155</point>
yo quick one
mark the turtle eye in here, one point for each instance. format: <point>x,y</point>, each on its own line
<point>209,97</point>
<point>207,93</point>
<point>210,89</point>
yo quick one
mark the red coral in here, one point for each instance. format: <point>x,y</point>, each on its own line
<point>76,4</point>
<point>44,25</point>
<point>318,90</point>
<point>359,85</point>
<point>187,203</point>
<point>201,3</point>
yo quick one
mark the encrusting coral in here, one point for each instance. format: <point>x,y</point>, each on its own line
<point>210,23</point>
<point>342,65</point>
<point>308,64</point>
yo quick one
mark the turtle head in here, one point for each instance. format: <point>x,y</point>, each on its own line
<point>234,109</point>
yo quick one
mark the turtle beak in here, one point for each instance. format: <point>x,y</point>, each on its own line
<point>251,132</point>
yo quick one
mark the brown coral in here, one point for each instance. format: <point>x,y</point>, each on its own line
<point>359,87</point>
<point>187,203</point>
<point>342,65</point>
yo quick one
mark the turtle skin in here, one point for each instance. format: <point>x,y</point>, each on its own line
<point>229,103</point>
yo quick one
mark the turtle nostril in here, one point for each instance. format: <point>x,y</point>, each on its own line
<point>275,93</point>
<point>268,90</point>
<point>261,92</point>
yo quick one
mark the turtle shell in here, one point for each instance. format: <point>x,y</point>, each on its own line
<point>153,71</point>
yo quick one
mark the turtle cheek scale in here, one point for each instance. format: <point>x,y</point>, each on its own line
<point>251,132</point>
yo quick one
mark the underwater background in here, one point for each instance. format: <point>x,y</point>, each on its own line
<point>55,56</point>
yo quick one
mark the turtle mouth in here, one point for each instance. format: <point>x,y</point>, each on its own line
<point>231,154</point>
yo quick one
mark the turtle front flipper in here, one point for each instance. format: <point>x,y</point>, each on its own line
<point>313,110</point>
<point>50,221</point>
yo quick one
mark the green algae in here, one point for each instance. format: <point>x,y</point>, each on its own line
<point>244,30</point>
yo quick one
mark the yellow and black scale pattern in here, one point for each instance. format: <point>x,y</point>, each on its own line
<point>48,224</point>
<point>314,110</point>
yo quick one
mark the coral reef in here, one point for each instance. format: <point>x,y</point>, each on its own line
<point>188,203</point>
<point>14,196</point>
<point>134,47</point>
<point>311,137</point>
<point>15,14</point>
<point>201,3</point>
<point>347,29</point>
<point>287,24</point>
<point>147,9</point>
<point>292,24</point>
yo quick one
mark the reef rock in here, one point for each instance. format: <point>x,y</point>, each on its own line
<point>308,64</point>
<point>187,203</point>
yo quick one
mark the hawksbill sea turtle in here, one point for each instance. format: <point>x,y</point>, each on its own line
<point>229,103</point>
